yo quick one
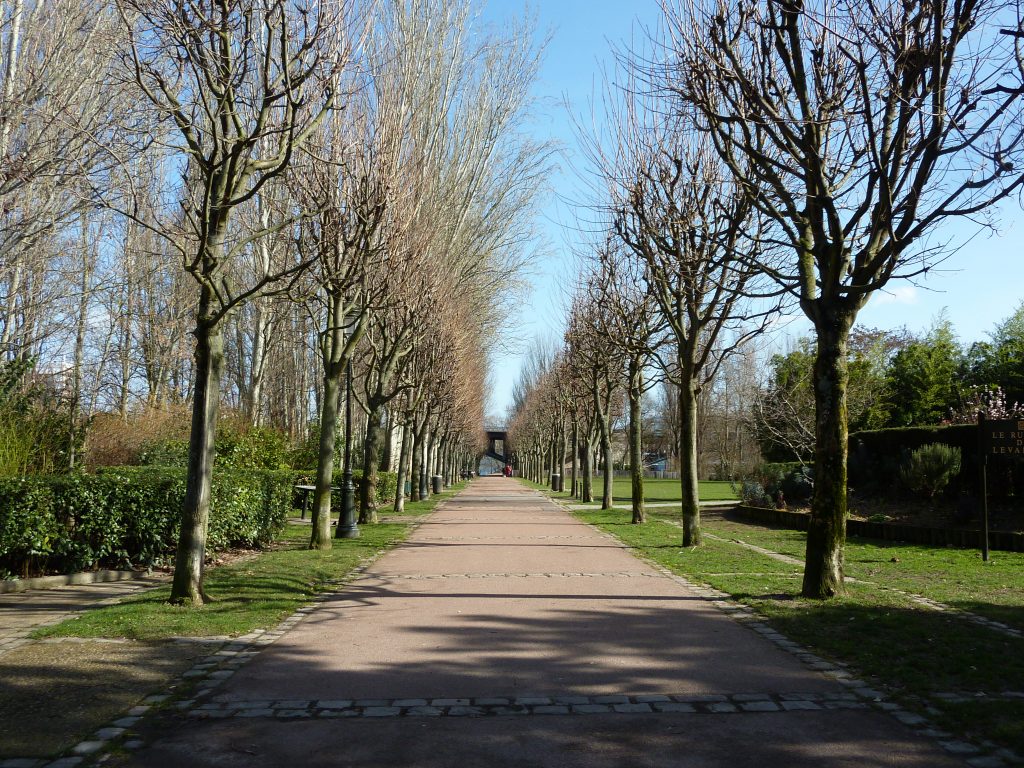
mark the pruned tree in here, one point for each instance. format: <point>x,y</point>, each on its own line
<point>633,322</point>
<point>692,229</point>
<point>244,86</point>
<point>858,128</point>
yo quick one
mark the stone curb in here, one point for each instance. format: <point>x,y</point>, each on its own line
<point>9,586</point>
<point>492,706</point>
<point>864,695</point>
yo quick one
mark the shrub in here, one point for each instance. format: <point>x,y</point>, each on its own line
<point>930,469</point>
<point>129,516</point>
<point>169,452</point>
<point>37,433</point>
<point>243,447</point>
<point>878,456</point>
<point>798,484</point>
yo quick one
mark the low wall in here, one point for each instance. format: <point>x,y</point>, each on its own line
<point>1008,541</point>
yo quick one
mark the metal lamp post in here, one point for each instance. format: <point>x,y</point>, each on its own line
<point>348,528</point>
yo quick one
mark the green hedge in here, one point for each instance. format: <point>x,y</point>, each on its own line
<point>129,517</point>
<point>877,456</point>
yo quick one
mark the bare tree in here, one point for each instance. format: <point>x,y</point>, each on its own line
<point>688,226</point>
<point>57,115</point>
<point>244,85</point>
<point>859,128</point>
<point>635,325</point>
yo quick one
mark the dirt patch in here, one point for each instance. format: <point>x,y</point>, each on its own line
<point>55,694</point>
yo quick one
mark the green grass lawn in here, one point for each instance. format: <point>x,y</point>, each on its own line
<point>252,594</point>
<point>883,635</point>
<point>956,577</point>
<point>654,490</point>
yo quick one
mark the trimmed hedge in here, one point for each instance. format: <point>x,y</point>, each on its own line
<point>129,517</point>
<point>877,456</point>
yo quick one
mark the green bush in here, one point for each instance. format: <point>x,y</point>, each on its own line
<point>37,433</point>
<point>930,469</point>
<point>753,494</point>
<point>244,447</point>
<point>129,517</point>
<point>877,456</point>
<point>170,452</point>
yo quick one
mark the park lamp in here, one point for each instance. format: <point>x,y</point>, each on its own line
<point>348,528</point>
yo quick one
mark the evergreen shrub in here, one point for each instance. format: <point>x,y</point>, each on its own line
<point>931,468</point>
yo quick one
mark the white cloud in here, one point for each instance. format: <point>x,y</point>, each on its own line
<point>900,294</point>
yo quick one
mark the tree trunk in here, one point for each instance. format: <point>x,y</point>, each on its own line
<point>330,405</point>
<point>688,482</point>
<point>606,457</point>
<point>371,459</point>
<point>575,456</point>
<point>403,468</point>
<point>587,457</point>
<point>81,321</point>
<point>187,587</point>
<point>636,450</point>
<point>388,447</point>
<point>826,533</point>
<point>416,469</point>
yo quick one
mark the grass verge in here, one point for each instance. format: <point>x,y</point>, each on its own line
<point>888,639</point>
<point>956,577</point>
<point>655,491</point>
<point>254,594</point>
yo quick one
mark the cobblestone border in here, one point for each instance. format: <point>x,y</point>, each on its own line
<point>998,757</point>
<point>490,706</point>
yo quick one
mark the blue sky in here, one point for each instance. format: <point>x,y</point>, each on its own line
<point>979,285</point>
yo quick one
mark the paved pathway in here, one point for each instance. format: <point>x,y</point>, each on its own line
<point>23,612</point>
<point>506,633</point>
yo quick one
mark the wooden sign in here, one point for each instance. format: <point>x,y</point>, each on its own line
<point>1004,437</point>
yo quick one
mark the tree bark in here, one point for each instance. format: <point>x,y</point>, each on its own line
<point>826,533</point>
<point>636,450</point>
<point>403,467</point>
<point>330,405</point>
<point>371,459</point>
<point>587,459</point>
<point>388,446</point>
<point>688,481</point>
<point>416,469</point>
<point>609,471</point>
<point>187,587</point>
<point>575,456</point>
